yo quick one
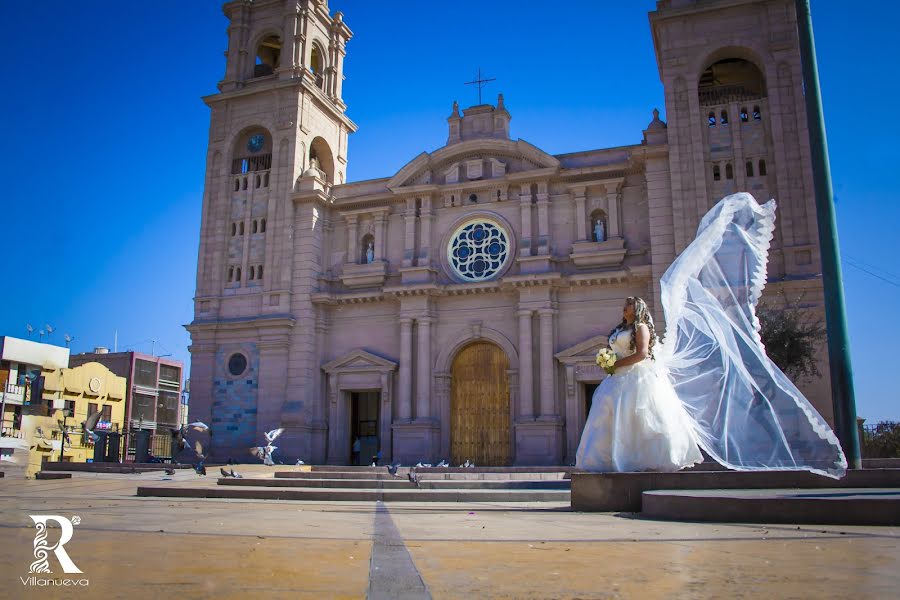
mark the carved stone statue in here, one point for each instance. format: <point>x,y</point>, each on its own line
<point>370,253</point>
<point>599,232</point>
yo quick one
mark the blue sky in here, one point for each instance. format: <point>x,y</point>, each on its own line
<point>104,134</point>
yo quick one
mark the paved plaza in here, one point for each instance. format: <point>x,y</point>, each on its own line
<point>194,548</point>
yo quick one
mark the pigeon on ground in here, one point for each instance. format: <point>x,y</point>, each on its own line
<point>236,475</point>
<point>224,472</point>
<point>413,478</point>
<point>169,471</point>
<point>443,463</point>
<point>392,469</point>
<point>200,468</point>
<point>299,462</point>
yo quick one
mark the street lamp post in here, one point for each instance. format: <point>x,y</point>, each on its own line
<point>62,435</point>
<point>842,395</point>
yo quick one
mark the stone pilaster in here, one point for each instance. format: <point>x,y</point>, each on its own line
<point>546,368</point>
<point>409,246</point>
<point>525,205</point>
<point>526,367</point>
<point>423,369</point>
<point>543,207</point>
<point>404,400</point>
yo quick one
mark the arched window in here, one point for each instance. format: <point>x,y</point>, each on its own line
<point>237,184</point>
<point>237,274</point>
<point>244,184</point>
<point>452,200</point>
<point>262,226</point>
<point>233,229</point>
<point>712,119</point>
<point>258,181</point>
<point>717,173</point>
<point>242,228</point>
<point>259,272</point>
<point>498,195</point>
<point>730,80</point>
<point>534,191</point>
<point>744,116</point>
<point>254,227</point>
<point>757,115</point>
<point>317,65</point>
<point>230,274</point>
<point>321,158</point>
<point>729,171</point>
<point>724,118</point>
<point>749,166</point>
<point>266,179</point>
<point>762,168</point>
<point>268,53</point>
<point>252,272</point>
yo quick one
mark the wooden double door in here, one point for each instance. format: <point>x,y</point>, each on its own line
<point>479,406</point>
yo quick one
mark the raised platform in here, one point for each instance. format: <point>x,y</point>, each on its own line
<point>46,475</point>
<point>111,467</point>
<point>850,506</point>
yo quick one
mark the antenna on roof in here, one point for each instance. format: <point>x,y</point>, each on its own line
<point>29,329</point>
<point>68,339</point>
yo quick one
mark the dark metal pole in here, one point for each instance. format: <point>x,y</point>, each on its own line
<point>842,396</point>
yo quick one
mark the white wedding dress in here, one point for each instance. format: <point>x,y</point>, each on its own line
<point>712,382</point>
<point>636,422</point>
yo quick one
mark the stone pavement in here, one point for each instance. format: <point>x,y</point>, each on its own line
<point>197,548</point>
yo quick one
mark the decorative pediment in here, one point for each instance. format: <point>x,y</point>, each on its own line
<point>359,360</point>
<point>585,351</point>
<point>471,160</point>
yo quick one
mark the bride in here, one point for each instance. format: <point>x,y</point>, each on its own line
<point>710,384</point>
<point>636,422</point>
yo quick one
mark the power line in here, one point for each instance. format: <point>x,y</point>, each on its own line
<point>891,279</point>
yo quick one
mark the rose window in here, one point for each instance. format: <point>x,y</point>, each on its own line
<point>478,250</point>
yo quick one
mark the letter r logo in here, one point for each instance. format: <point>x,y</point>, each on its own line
<point>42,548</point>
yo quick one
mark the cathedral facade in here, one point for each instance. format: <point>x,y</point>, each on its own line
<point>453,309</point>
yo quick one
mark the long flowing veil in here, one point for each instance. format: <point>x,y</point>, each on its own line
<point>746,413</point>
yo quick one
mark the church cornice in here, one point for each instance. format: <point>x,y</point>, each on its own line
<point>262,324</point>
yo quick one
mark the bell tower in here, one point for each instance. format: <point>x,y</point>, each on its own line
<point>277,125</point>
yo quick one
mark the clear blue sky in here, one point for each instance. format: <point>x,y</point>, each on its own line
<point>105,137</point>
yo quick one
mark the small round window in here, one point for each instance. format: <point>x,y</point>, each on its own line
<point>237,364</point>
<point>478,250</point>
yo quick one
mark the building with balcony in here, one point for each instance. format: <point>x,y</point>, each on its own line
<point>22,363</point>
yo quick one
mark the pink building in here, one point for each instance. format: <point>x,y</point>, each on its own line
<point>453,309</point>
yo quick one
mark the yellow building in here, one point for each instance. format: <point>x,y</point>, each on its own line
<point>72,395</point>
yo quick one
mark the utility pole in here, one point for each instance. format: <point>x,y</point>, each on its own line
<point>842,396</point>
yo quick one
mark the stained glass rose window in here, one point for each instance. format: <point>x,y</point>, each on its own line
<point>478,250</point>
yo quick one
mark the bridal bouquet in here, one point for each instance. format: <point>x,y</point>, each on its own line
<point>606,358</point>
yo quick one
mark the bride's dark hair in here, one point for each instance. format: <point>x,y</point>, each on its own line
<point>641,315</point>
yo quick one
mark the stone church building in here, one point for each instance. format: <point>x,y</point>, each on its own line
<point>452,310</point>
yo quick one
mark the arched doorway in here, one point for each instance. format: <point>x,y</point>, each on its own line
<point>479,406</point>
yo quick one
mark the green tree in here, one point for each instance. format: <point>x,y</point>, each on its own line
<point>792,335</point>
<point>882,440</point>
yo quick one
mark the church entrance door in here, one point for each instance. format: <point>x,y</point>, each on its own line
<point>364,426</point>
<point>479,407</point>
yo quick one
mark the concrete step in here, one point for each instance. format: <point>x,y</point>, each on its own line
<point>430,474</point>
<point>52,475</point>
<point>848,506</point>
<point>609,492</point>
<point>400,483</point>
<point>110,467</point>
<point>383,469</point>
<point>354,495</point>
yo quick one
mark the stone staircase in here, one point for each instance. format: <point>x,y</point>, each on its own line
<point>338,483</point>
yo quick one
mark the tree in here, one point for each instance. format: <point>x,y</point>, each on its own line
<point>882,440</point>
<point>792,334</point>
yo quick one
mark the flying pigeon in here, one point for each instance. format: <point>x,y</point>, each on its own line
<point>392,469</point>
<point>91,423</point>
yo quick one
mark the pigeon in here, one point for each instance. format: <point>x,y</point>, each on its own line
<point>91,423</point>
<point>198,426</point>
<point>264,453</point>
<point>200,468</point>
<point>412,477</point>
<point>236,475</point>
<point>467,464</point>
<point>271,436</point>
<point>392,469</point>
<point>299,462</point>
<point>423,465</point>
<point>443,463</point>
<point>224,472</point>
<point>169,471</point>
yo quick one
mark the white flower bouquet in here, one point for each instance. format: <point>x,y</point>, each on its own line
<point>606,358</point>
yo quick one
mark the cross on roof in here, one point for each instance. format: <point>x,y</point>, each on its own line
<point>480,82</point>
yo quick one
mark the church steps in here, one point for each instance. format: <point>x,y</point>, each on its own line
<point>461,475</point>
<point>354,495</point>
<point>845,506</point>
<point>607,492</point>
<point>403,483</point>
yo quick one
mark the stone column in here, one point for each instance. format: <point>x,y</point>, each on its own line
<point>526,366</point>
<point>404,410</point>
<point>380,235</point>
<point>423,369</point>
<point>351,239</point>
<point>525,204</point>
<point>409,247</point>
<point>545,364</point>
<point>612,205</point>
<point>740,169</point>
<point>543,206</point>
<point>581,225</point>
<point>425,218</point>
